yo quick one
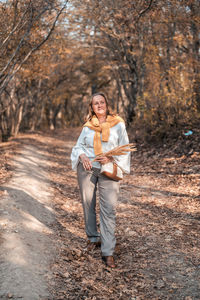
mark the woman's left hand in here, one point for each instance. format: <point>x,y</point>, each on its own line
<point>104,160</point>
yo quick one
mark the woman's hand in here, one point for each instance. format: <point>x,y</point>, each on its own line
<point>87,165</point>
<point>104,160</point>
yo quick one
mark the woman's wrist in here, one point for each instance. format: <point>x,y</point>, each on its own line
<point>85,161</point>
<point>83,157</point>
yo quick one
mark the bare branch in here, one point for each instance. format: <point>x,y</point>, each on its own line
<point>12,74</point>
<point>25,35</point>
<point>17,49</point>
<point>145,10</point>
<point>14,28</point>
<point>15,4</point>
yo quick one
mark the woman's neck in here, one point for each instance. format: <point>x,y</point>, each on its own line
<point>101,119</point>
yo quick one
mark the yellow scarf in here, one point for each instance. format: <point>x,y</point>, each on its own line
<point>103,128</point>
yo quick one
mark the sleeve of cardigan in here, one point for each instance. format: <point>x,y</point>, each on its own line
<point>78,149</point>
<point>123,161</point>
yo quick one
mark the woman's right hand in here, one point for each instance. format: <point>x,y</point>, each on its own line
<point>87,165</point>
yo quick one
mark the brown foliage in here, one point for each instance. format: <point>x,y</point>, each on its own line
<point>143,54</point>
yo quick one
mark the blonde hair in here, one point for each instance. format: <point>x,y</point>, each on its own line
<point>91,111</point>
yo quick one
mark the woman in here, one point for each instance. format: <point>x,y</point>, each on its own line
<point>102,132</point>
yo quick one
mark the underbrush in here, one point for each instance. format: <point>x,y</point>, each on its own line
<point>182,136</point>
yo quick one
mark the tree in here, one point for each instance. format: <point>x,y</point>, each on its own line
<point>29,27</point>
<point>116,25</point>
<point>143,54</point>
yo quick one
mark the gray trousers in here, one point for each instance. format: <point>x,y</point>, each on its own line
<point>108,196</point>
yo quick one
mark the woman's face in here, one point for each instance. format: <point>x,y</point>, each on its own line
<point>99,105</point>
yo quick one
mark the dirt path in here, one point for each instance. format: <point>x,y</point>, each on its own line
<point>26,219</point>
<point>158,228</point>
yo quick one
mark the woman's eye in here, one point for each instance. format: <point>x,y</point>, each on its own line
<point>97,103</point>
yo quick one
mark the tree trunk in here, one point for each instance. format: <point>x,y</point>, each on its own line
<point>18,119</point>
<point>196,56</point>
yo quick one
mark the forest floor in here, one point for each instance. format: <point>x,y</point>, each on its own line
<point>42,239</point>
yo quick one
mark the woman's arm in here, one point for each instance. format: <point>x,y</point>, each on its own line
<point>78,152</point>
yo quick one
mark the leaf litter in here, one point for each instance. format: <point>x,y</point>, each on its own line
<point>158,229</point>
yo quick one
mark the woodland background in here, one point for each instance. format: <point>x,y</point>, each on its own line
<point>143,54</point>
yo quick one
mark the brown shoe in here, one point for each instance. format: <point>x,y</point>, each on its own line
<point>92,245</point>
<point>109,261</point>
